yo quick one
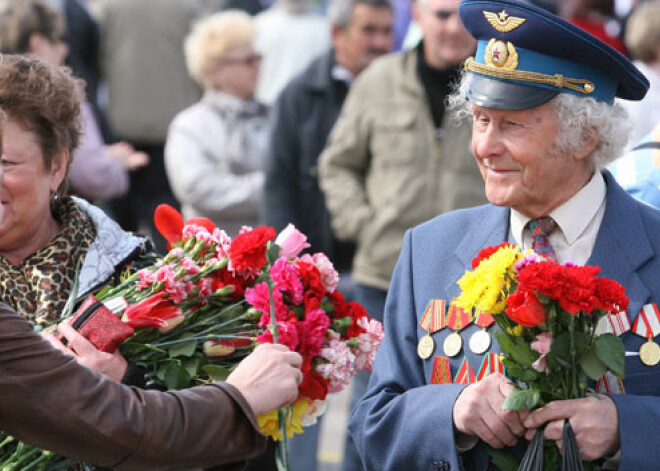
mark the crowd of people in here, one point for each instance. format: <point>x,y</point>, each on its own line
<point>358,121</point>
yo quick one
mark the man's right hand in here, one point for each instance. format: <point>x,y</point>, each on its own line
<point>478,412</point>
<point>268,378</point>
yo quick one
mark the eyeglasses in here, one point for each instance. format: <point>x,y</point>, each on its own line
<point>444,14</point>
<point>248,59</point>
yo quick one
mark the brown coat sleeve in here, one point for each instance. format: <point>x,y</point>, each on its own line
<point>48,400</point>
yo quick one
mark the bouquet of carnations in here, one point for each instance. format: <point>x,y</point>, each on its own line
<point>195,313</point>
<point>547,314</point>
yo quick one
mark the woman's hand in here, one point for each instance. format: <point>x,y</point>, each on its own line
<point>113,365</point>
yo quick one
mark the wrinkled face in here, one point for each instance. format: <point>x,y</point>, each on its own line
<point>237,73</point>
<point>517,157</point>
<point>25,186</point>
<point>446,41</point>
<point>368,36</point>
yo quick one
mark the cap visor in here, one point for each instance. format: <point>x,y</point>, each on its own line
<point>493,93</point>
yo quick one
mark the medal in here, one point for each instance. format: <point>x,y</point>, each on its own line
<point>647,325</point>
<point>432,321</point>
<point>452,344</point>
<point>649,353</point>
<point>457,319</point>
<point>425,347</point>
<point>480,340</point>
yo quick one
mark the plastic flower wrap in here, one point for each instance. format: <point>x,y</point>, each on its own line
<point>204,306</point>
<point>547,315</point>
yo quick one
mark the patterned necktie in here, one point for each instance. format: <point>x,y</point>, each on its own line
<point>541,228</point>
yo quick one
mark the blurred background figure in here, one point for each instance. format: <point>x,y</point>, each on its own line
<point>97,172</point>
<point>249,6</point>
<point>597,17</point>
<point>290,35</point>
<point>215,148</point>
<point>303,117</point>
<point>643,41</point>
<point>143,65</point>
<point>395,158</point>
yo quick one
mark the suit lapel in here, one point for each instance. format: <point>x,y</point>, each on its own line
<point>489,228</point>
<point>623,246</point>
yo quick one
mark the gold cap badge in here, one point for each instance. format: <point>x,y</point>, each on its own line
<point>501,55</point>
<point>502,22</point>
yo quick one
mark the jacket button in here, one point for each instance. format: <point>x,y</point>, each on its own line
<point>441,465</point>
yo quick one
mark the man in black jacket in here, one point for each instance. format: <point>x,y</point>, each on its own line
<point>303,117</point>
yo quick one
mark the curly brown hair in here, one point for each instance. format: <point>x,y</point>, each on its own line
<point>45,99</point>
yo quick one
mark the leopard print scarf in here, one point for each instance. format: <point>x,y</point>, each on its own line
<point>39,286</point>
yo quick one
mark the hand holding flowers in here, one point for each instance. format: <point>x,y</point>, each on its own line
<point>547,315</point>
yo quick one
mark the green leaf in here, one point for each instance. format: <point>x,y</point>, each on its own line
<point>592,365</point>
<point>518,399</point>
<point>216,372</point>
<point>611,351</point>
<point>503,461</point>
<point>191,365</point>
<point>183,349</point>
<point>272,253</point>
<point>176,376</point>
<point>561,347</point>
<point>517,348</point>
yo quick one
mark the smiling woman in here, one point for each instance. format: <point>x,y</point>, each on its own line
<point>44,233</point>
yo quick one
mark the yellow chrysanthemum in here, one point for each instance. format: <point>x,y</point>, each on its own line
<point>269,425</point>
<point>488,285</point>
<point>515,331</point>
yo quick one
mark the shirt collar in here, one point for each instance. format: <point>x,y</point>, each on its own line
<point>342,74</point>
<point>572,217</point>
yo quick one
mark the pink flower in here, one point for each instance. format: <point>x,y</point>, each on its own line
<point>542,345</point>
<point>291,241</point>
<point>312,332</point>
<point>147,278</point>
<point>287,335</point>
<point>339,367</point>
<point>368,343</point>
<point>222,242</point>
<point>329,276</point>
<point>286,277</point>
<point>205,288</point>
<point>189,265</point>
<point>259,298</point>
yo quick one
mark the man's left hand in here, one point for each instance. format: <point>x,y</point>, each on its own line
<point>594,420</point>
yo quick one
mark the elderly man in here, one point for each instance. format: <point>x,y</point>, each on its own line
<point>540,93</point>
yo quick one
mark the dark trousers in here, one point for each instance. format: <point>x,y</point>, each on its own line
<point>373,300</point>
<point>149,188</point>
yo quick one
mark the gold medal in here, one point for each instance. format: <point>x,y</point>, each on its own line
<point>425,347</point>
<point>452,344</point>
<point>649,353</point>
<point>480,342</point>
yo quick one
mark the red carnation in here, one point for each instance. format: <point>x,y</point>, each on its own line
<point>612,295</point>
<point>247,252</point>
<point>525,308</point>
<point>313,386</point>
<point>357,312</point>
<point>311,278</point>
<point>487,252</point>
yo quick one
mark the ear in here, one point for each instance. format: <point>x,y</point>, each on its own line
<point>588,145</point>
<point>59,168</point>
<point>416,12</point>
<point>335,35</point>
<point>36,44</point>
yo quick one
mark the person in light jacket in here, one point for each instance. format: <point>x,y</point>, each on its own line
<point>214,155</point>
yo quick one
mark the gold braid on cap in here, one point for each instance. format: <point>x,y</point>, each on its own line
<point>557,80</point>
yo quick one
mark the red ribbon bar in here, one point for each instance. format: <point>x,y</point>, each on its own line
<point>457,317</point>
<point>465,374</point>
<point>441,371</point>
<point>483,319</point>
<point>434,316</point>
